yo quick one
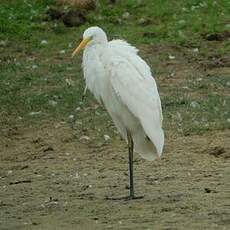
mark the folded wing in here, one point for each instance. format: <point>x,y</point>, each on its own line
<point>132,81</point>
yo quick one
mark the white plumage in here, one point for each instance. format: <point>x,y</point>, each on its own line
<point>122,81</point>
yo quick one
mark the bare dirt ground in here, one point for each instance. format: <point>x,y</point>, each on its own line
<point>52,180</point>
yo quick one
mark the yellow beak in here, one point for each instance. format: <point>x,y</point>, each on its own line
<point>81,46</point>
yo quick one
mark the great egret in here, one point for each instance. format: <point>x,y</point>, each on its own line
<point>122,81</point>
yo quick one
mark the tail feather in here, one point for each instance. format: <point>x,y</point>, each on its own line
<point>145,147</point>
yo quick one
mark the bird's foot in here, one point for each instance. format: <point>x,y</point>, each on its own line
<point>125,198</point>
<point>134,197</point>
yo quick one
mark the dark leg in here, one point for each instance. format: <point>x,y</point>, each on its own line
<point>131,185</point>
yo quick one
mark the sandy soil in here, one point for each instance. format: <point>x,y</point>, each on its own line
<point>51,180</point>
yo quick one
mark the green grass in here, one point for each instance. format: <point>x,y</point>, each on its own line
<point>170,20</point>
<point>196,116</point>
<point>34,76</point>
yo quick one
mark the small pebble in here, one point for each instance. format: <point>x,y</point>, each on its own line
<point>44,42</point>
<point>126,15</point>
<point>69,82</point>
<point>34,66</point>
<point>62,52</point>
<point>78,109</point>
<point>141,20</point>
<point>35,113</point>
<point>52,103</point>
<point>194,104</point>
<point>3,43</point>
<point>171,57</point>
<point>77,175</point>
<point>71,117</point>
<point>195,50</point>
<point>84,138</point>
<point>107,137</point>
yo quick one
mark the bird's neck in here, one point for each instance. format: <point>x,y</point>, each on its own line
<point>101,43</point>
<point>96,46</point>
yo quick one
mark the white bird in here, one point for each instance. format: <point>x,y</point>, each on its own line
<point>122,81</point>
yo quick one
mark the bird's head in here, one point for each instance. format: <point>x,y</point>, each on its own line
<point>93,35</point>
